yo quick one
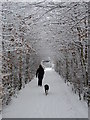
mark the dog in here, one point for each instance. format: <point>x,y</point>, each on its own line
<point>46,87</point>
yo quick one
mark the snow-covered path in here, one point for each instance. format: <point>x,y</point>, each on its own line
<point>61,102</point>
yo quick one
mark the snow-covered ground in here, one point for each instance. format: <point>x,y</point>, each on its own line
<point>61,102</point>
<point>0,116</point>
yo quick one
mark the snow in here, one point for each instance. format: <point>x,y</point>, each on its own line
<point>32,102</point>
<point>47,0</point>
<point>0,116</point>
<point>48,69</point>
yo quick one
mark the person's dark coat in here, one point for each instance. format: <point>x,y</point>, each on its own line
<point>40,74</point>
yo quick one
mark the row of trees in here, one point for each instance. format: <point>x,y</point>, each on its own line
<point>73,65</point>
<point>19,59</point>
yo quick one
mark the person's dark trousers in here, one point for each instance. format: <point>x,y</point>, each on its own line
<point>39,81</point>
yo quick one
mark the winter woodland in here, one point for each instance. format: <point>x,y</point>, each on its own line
<point>36,31</point>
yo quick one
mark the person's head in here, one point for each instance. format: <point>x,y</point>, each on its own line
<point>40,66</point>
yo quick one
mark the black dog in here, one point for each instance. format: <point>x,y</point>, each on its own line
<point>46,87</point>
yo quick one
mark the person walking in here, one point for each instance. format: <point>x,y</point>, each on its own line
<point>40,74</point>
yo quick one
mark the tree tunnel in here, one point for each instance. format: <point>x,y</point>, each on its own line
<point>36,31</point>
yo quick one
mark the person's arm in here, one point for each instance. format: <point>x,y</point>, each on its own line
<point>36,72</point>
